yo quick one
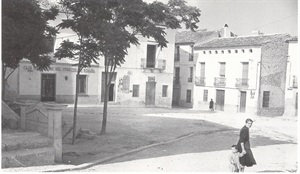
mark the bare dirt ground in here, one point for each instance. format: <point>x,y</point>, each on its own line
<point>274,140</point>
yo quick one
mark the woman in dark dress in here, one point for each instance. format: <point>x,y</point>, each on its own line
<point>244,146</point>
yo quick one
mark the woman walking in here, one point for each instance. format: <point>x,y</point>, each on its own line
<point>247,158</point>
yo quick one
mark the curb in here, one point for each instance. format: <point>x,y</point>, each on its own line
<point>97,162</point>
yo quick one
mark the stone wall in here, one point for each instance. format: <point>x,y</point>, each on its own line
<point>273,78</point>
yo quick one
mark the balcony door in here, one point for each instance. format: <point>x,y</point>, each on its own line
<point>151,53</point>
<point>245,74</point>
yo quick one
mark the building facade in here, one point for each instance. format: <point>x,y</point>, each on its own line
<point>146,78</point>
<point>185,64</point>
<point>291,90</point>
<point>242,74</point>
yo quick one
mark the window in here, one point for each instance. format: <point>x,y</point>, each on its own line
<point>190,79</point>
<point>191,55</point>
<point>202,69</point>
<point>236,51</point>
<point>189,96</point>
<point>216,52</point>
<point>82,84</point>
<point>164,90</point>
<point>205,94</point>
<point>204,52</point>
<point>151,54</point>
<point>222,51</point>
<point>250,50</point>
<point>266,99</point>
<point>243,51</point>
<point>209,52</point>
<point>229,51</point>
<point>177,55</point>
<point>222,69</point>
<point>135,90</point>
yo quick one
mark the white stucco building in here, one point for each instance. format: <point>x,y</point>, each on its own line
<point>242,74</point>
<point>146,78</point>
<point>185,63</point>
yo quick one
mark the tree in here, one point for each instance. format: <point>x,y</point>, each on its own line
<point>26,34</point>
<point>85,50</point>
<point>115,24</point>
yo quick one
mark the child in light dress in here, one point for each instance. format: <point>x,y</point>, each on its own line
<point>234,165</point>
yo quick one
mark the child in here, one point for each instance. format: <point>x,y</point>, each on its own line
<point>234,159</point>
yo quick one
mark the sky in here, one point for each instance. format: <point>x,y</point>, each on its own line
<point>245,16</point>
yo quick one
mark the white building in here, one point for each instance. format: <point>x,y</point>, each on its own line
<point>242,74</point>
<point>146,78</point>
<point>185,63</point>
<point>291,91</point>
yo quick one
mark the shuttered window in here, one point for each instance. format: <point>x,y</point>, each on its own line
<point>202,69</point>
<point>222,69</point>
<point>205,94</point>
<point>189,96</point>
<point>82,84</point>
<point>266,99</point>
<point>164,90</point>
<point>135,90</point>
<point>245,70</point>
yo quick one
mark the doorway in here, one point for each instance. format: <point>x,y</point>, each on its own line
<point>220,100</point>
<point>150,93</point>
<point>243,101</point>
<point>48,87</point>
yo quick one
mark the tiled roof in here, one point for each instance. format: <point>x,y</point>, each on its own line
<point>199,36</point>
<point>294,38</point>
<point>239,41</point>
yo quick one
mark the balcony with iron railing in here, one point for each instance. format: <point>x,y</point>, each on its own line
<point>159,64</point>
<point>220,82</point>
<point>200,81</point>
<point>242,83</point>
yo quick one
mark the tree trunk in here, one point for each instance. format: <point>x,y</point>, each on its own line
<point>75,108</point>
<point>76,96</point>
<point>3,82</point>
<point>104,121</point>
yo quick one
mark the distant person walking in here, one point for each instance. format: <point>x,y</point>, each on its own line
<point>211,105</point>
<point>243,145</point>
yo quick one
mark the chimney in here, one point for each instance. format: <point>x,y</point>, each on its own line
<point>256,33</point>
<point>226,32</point>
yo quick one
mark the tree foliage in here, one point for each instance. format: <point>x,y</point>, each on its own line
<point>112,26</point>
<point>26,33</point>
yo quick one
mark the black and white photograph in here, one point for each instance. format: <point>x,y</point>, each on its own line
<point>149,86</point>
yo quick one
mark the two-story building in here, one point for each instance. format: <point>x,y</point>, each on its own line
<point>185,62</point>
<point>146,78</point>
<point>242,74</point>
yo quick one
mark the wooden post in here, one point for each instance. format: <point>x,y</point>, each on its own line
<point>55,123</point>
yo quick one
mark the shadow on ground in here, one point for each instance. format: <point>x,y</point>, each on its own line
<point>128,129</point>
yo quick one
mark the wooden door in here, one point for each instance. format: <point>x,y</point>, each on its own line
<point>220,100</point>
<point>150,93</point>
<point>176,96</point>
<point>48,87</point>
<point>243,101</point>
